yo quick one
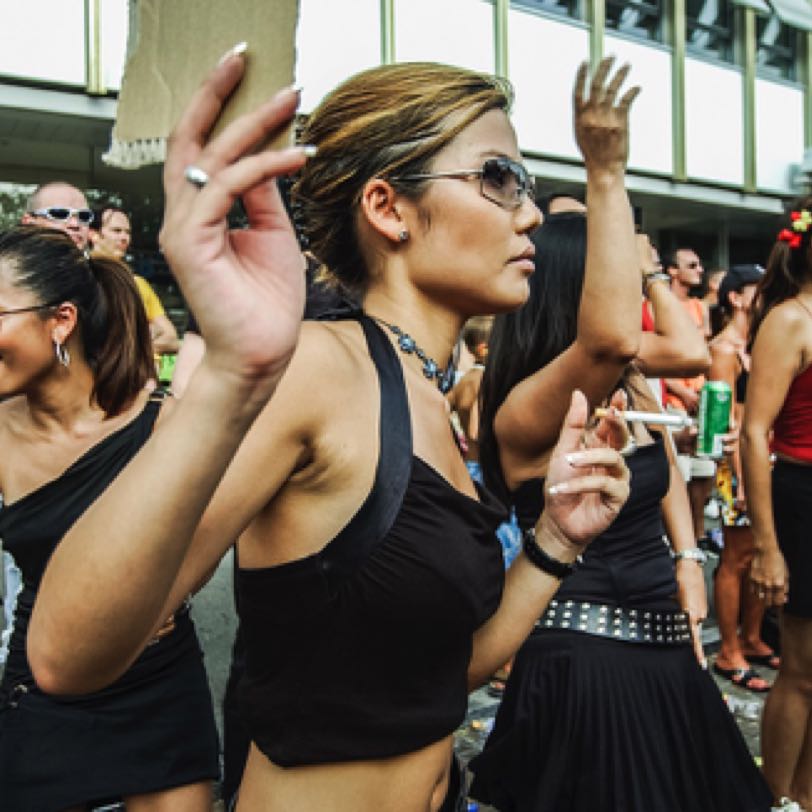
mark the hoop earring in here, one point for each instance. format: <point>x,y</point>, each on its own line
<point>62,354</point>
<point>403,235</point>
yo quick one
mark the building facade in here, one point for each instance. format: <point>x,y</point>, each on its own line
<point>721,133</point>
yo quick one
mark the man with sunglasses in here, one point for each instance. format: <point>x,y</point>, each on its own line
<point>682,394</point>
<point>61,206</point>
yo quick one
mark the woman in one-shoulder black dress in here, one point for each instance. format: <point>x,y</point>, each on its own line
<point>74,344</point>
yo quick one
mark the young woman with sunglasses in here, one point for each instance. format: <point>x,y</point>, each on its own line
<point>370,581</point>
<point>607,707</point>
<point>74,360</point>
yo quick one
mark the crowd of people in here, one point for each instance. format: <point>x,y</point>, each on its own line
<point>400,538</point>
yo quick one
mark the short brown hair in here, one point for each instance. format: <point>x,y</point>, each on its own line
<point>382,122</point>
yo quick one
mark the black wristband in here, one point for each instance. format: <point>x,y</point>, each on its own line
<point>538,558</point>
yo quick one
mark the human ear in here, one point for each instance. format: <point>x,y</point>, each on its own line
<point>379,209</point>
<point>64,320</point>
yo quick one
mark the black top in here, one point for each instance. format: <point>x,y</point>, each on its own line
<point>31,528</point>
<point>361,651</point>
<point>629,564</point>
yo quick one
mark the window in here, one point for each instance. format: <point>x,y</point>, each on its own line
<point>566,8</point>
<point>710,28</point>
<point>777,48</point>
<point>637,18</point>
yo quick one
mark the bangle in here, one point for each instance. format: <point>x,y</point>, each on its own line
<point>691,554</point>
<point>540,559</point>
<point>657,276</point>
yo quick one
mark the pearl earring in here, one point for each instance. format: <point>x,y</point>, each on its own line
<point>403,235</point>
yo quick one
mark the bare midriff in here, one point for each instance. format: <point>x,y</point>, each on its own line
<point>415,782</point>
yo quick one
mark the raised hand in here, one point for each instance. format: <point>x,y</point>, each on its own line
<point>586,487</point>
<point>246,287</point>
<point>602,122</point>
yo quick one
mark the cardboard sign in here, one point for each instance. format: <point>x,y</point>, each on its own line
<point>174,44</point>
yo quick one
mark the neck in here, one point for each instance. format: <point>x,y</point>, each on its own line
<point>62,401</point>
<point>433,327</point>
<point>679,289</point>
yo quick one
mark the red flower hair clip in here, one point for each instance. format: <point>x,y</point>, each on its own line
<point>801,221</point>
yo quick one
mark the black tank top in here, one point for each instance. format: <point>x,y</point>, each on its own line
<point>32,527</point>
<point>361,651</point>
<point>629,564</point>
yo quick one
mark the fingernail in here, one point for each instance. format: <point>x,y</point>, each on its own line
<point>560,488</point>
<point>238,50</point>
<point>574,458</point>
<point>309,150</point>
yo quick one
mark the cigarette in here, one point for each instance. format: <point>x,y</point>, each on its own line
<point>655,418</point>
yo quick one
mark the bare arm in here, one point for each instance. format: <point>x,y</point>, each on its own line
<point>679,527</point>
<point>113,572</point>
<point>164,335</point>
<point>189,358</point>
<point>776,359</point>
<point>608,334</point>
<point>676,347</point>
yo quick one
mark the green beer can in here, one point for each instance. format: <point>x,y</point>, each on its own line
<point>715,401</point>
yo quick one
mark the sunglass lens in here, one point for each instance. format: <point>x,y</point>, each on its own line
<point>505,181</point>
<point>84,215</point>
<point>57,213</point>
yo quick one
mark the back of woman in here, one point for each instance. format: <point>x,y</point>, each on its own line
<point>606,707</point>
<point>76,358</point>
<point>777,419</point>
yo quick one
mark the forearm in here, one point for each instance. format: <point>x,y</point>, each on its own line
<point>106,585</point>
<point>609,314</point>
<point>528,591</point>
<point>756,469</point>
<point>164,336</point>
<point>676,509</point>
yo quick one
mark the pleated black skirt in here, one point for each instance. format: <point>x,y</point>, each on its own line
<point>152,730</point>
<point>589,724</point>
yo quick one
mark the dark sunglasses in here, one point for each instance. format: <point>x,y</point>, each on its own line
<point>501,180</point>
<point>61,214</point>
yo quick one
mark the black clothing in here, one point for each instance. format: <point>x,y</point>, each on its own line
<point>629,564</point>
<point>360,651</point>
<point>150,730</point>
<point>593,724</point>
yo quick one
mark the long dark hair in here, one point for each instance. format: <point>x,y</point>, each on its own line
<point>112,324</point>
<point>787,269</point>
<point>524,341</point>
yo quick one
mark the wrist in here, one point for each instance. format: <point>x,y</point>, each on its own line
<point>555,542</point>
<point>690,554</point>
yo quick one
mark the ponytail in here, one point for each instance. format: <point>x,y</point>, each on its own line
<point>116,336</point>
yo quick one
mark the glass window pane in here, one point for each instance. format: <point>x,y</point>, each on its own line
<point>114,28</point>
<point>641,19</point>
<point>777,48</point>
<point>44,40</point>
<point>567,8</point>
<point>710,28</point>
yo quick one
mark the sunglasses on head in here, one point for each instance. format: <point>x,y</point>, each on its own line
<point>501,180</point>
<point>61,214</point>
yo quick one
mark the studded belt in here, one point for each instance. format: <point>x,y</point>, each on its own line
<point>618,622</point>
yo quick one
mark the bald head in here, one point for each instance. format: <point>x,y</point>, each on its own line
<point>48,199</point>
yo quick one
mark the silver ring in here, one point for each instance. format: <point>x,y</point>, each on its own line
<point>196,176</point>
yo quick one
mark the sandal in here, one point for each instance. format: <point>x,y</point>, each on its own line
<point>743,677</point>
<point>771,660</point>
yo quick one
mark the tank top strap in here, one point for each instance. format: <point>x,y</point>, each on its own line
<point>374,519</point>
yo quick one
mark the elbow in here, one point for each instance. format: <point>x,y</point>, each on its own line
<point>618,349</point>
<point>698,363</point>
<point>50,678</point>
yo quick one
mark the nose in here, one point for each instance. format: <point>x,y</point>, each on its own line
<point>528,215</point>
